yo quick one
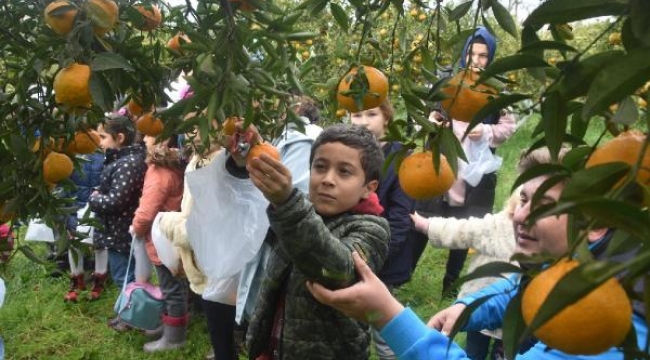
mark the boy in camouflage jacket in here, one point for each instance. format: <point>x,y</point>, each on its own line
<point>315,236</point>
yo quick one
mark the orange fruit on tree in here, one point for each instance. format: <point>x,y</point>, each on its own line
<point>84,142</point>
<point>244,5</point>
<point>152,17</point>
<point>263,148</point>
<point>615,39</point>
<point>134,106</point>
<point>376,92</point>
<point>72,87</point>
<point>174,44</point>
<point>60,15</point>
<point>591,325</point>
<point>5,216</point>
<point>150,125</point>
<point>626,147</point>
<point>229,126</point>
<point>103,14</point>
<point>419,179</point>
<point>464,98</point>
<point>56,167</point>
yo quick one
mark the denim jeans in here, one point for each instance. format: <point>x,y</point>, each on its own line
<point>117,263</point>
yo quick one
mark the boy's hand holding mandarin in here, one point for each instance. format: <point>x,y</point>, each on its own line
<point>271,177</point>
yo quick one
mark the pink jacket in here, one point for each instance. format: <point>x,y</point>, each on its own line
<point>162,191</point>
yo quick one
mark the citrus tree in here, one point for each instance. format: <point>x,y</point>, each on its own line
<point>67,63</point>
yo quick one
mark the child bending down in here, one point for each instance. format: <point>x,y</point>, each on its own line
<point>315,236</point>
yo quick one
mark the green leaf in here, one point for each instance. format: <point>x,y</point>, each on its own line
<point>577,77</point>
<point>563,11</point>
<point>627,112</point>
<point>492,269</point>
<point>554,117</point>
<point>504,19</point>
<point>619,78</point>
<point>300,36</point>
<point>510,63</point>
<point>594,181</point>
<point>460,10</point>
<point>31,254</point>
<point>108,60</point>
<point>340,16</point>
<point>547,45</point>
<point>514,322</point>
<point>539,170</point>
<point>640,20</point>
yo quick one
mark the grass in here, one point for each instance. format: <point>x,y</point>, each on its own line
<point>36,324</point>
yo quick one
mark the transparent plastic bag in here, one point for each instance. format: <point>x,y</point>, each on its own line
<point>167,252</point>
<point>480,159</point>
<point>227,221</point>
<point>86,230</point>
<point>38,231</point>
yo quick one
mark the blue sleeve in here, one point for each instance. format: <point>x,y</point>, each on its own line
<point>489,315</point>
<point>411,339</point>
<point>295,156</point>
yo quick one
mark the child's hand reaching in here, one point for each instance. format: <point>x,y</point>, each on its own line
<point>271,177</point>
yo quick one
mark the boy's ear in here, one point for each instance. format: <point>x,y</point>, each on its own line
<point>370,188</point>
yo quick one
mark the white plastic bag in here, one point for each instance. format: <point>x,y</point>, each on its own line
<point>86,230</point>
<point>38,231</point>
<point>167,252</point>
<point>480,161</point>
<point>227,222</point>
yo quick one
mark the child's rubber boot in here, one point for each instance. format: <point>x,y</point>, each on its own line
<point>76,284</point>
<point>174,335</point>
<point>98,285</point>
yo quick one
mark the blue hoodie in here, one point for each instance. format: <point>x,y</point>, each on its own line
<point>489,39</point>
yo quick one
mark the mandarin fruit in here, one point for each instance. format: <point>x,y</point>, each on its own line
<point>150,125</point>
<point>464,99</point>
<point>626,147</point>
<point>56,167</point>
<point>419,179</point>
<point>263,148</point>
<point>60,15</point>
<point>152,17</point>
<point>84,142</point>
<point>591,325</point>
<point>72,87</point>
<point>377,90</point>
<point>103,14</point>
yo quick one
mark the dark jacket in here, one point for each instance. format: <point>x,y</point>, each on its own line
<point>119,193</point>
<point>86,179</point>
<point>397,209</point>
<point>308,247</point>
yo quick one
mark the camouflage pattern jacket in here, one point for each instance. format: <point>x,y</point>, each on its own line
<point>308,247</point>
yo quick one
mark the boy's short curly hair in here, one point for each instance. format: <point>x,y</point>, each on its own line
<point>356,137</point>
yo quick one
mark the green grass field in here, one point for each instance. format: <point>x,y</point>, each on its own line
<point>36,324</point>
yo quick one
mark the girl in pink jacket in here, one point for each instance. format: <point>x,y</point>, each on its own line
<point>162,191</point>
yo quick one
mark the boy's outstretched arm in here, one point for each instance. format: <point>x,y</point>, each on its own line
<point>368,300</point>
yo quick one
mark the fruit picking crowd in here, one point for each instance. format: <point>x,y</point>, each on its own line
<point>294,247</point>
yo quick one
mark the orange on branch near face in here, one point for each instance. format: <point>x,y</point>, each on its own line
<point>590,326</point>
<point>377,89</point>
<point>419,179</point>
<point>150,125</point>
<point>626,147</point>
<point>464,98</point>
